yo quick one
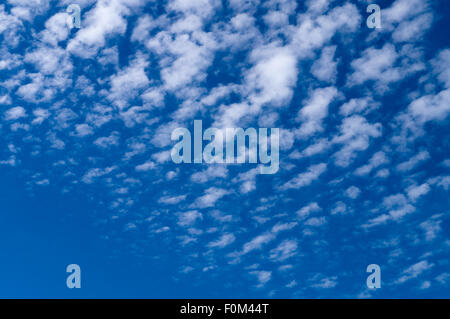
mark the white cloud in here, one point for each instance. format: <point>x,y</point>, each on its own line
<point>431,107</point>
<point>414,271</point>
<point>413,161</point>
<point>279,227</point>
<point>284,250</point>
<point>325,68</point>
<point>355,134</point>
<point>441,67</point>
<point>316,221</point>
<point>339,208</point>
<point>149,165</point>
<point>258,242</point>
<point>28,9</point>
<point>210,197</point>
<point>262,276</point>
<point>172,200</point>
<point>209,174</point>
<point>376,65</point>
<point>273,76</point>
<point>375,161</point>
<point>431,227</point>
<point>307,210</point>
<point>93,173</point>
<point>313,32</point>
<point>306,178</point>
<point>315,111</point>
<point>189,218</point>
<point>184,59</point>
<point>397,205</point>
<point>403,10</point>
<point>15,113</point>
<point>320,146</point>
<point>414,29</point>
<point>108,141</point>
<point>358,106</point>
<point>247,180</point>
<point>352,192</point>
<point>327,282</point>
<point>56,29</point>
<point>223,241</point>
<point>414,191</point>
<point>10,25</point>
<point>64,117</point>
<point>104,20</point>
<point>128,82</point>
<point>83,130</point>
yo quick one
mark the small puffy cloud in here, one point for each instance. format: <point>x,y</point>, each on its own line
<point>284,250</point>
<point>40,116</point>
<point>149,165</point>
<point>376,65</point>
<point>15,113</point>
<point>65,117</point>
<point>94,173</point>
<point>5,99</point>
<point>306,178</point>
<point>209,174</point>
<point>172,200</point>
<point>273,76</point>
<point>279,227</point>
<point>189,218</point>
<point>324,68</point>
<point>257,242</point>
<point>126,85</point>
<point>56,29</point>
<point>377,160</point>
<point>108,141</point>
<point>431,107</point>
<point>223,241</point>
<point>324,282</point>
<point>355,134</point>
<point>352,192</point>
<point>441,67</point>
<point>307,210</point>
<point>105,19</point>
<point>339,208</point>
<point>320,146</point>
<point>210,197</point>
<point>414,191</point>
<point>83,130</point>
<point>432,227</point>
<point>315,111</point>
<point>414,271</point>
<point>397,205</point>
<point>358,106</point>
<point>161,157</point>
<point>414,29</point>
<point>443,278</point>
<point>413,161</point>
<point>262,276</point>
<point>316,221</point>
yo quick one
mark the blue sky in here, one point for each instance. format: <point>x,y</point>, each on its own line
<point>86,117</point>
